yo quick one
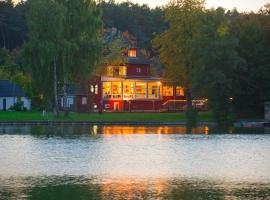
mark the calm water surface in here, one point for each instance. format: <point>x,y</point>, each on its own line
<point>121,162</point>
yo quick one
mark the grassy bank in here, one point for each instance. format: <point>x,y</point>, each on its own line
<point>164,117</point>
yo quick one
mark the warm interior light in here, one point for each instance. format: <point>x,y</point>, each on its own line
<point>132,53</point>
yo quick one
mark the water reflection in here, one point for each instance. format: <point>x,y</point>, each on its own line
<point>58,188</point>
<point>126,130</point>
<point>133,162</point>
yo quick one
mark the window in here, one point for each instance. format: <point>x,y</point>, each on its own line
<point>141,88</point>
<point>153,90</point>
<point>168,91</point>
<point>110,71</point>
<point>96,89</point>
<point>107,90</point>
<point>92,89</point>
<point>84,101</point>
<point>128,90</point>
<point>116,90</point>
<point>180,91</point>
<point>116,71</point>
<point>132,53</point>
<point>138,70</point>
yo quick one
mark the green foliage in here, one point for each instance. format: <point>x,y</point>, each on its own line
<point>10,70</point>
<point>18,106</point>
<point>216,61</point>
<point>12,24</point>
<point>63,43</point>
<point>175,44</point>
<point>140,21</point>
<point>254,46</point>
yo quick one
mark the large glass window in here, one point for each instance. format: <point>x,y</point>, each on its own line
<point>180,91</point>
<point>122,71</point>
<point>128,90</point>
<point>107,90</point>
<point>116,90</point>
<point>168,91</point>
<point>141,88</point>
<point>154,90</point>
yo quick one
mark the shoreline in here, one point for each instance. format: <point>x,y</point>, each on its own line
<point>115,123</point>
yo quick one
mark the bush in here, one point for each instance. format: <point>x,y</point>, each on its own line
<point>18,106</point>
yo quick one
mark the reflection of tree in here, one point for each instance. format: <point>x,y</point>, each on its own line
<point>67,188</point>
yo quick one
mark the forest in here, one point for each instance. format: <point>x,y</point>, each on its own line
<point>220,54</point>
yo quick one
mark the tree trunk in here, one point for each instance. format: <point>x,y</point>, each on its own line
<point>56,107</point>
<point>189,99</point>
<point>65,97</point>
<point>4,39</point>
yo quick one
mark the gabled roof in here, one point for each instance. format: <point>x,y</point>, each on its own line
<point>9,89</point>
<point>140,59</point>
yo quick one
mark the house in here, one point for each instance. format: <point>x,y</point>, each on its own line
<point>11,93</point>
<point>131,87</point>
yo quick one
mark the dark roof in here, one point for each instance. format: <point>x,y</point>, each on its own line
<point>9,89</point>
<point>140,59</point>
<point>75,89</point>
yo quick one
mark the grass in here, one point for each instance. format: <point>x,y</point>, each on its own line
<point>166,117</point>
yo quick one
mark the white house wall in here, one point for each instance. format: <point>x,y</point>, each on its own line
<point>10,101</point>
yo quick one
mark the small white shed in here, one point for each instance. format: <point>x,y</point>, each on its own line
<point>11,93</point>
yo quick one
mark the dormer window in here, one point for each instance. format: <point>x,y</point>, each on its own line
<point>132,53</point>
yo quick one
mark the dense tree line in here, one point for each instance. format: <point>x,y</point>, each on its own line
<point>218,54</point>
<point>221,55</point>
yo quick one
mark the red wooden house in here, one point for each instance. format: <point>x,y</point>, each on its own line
<point>130,88</point>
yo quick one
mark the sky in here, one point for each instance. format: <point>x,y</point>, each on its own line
<point>241,5</point>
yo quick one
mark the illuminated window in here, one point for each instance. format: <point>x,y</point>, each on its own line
<point>153,90</point>
<point>96,89</point>
<point>116,71</point>
<point>141,88</point>
<point>116,90</point>
<point>132,53</point>
<point>168,91</point>
<point>84,101</point>
<point>92,89</point>
<point>180,91</point>
<point>122,71</point>
<point>106,90</point>
<point>128,90</point>
<point>110,71</point>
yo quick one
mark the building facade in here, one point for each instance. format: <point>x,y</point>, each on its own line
<point>10,94</point>
<point>130,87</point>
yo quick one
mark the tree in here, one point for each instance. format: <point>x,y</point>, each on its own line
<point>12,24</point>
<point>81,45</point>
<point>175,44</point>
<point>45,23</point>
<point>252,31</point>
<point>63,44</point>
<point>218,64</point>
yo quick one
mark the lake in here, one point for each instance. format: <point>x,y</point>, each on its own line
<point>134,162</point>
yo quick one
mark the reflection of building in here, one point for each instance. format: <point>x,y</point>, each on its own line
<point>130,87</point>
